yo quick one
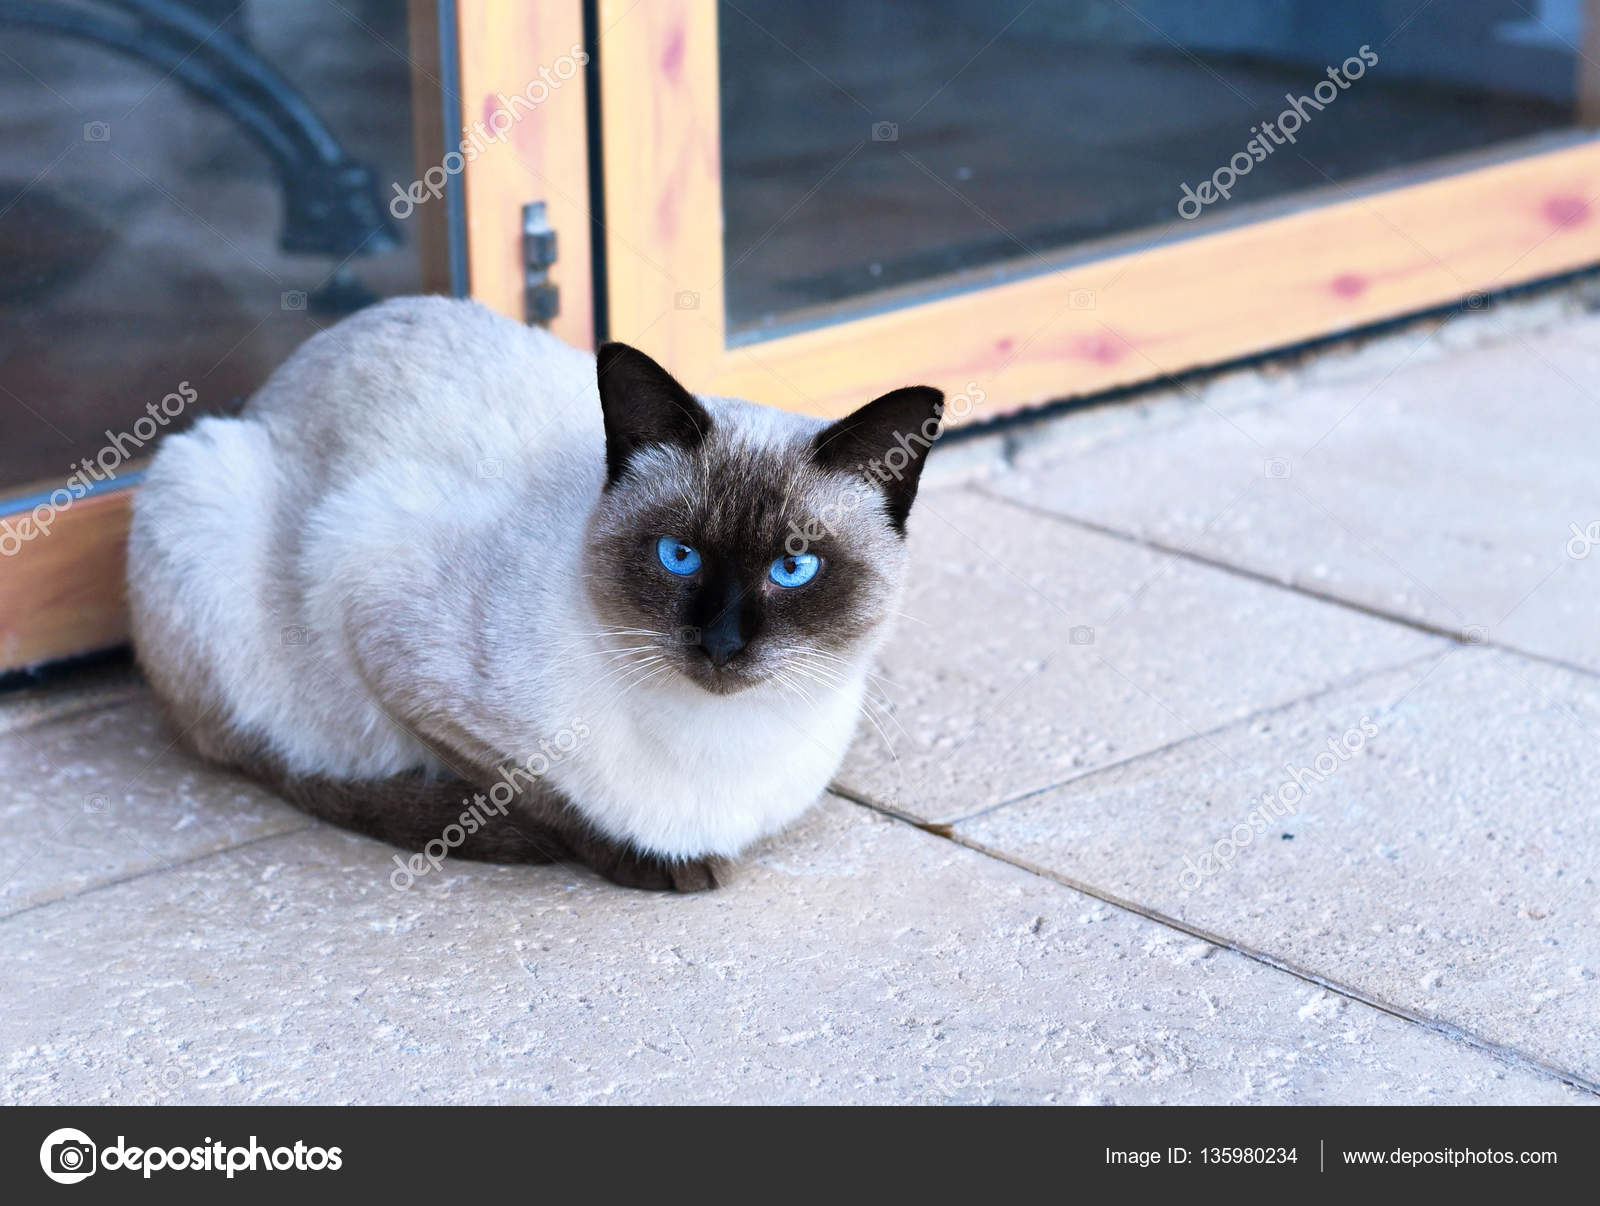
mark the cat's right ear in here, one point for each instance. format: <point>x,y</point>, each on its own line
<point>644,406</point>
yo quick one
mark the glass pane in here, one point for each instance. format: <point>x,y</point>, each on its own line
<point>189,189</point>
<point>885,143</point>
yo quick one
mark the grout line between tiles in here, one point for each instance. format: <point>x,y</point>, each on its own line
<point>1152,545</point>
<point>1342,684</point>
<point>150,871</point>
<point>1513,1056</point>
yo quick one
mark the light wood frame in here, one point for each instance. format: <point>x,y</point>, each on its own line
<point>504,47</point>
<point>61,591</point>
<point>1337,262</point>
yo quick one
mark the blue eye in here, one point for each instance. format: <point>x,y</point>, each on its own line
<point>678,557</point>
<point>795,571</point>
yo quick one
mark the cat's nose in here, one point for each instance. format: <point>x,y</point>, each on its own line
<point>722,642</point>
<point>725,633</point>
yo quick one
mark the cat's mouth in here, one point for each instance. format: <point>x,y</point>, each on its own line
<point>727,679</point>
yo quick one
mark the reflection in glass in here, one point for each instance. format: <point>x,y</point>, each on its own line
<point>886,143</point>
<point>189,189</point>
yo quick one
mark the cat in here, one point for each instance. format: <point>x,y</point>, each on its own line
<point>454,584</point>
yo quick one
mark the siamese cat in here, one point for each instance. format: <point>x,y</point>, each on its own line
<point>451,583</point>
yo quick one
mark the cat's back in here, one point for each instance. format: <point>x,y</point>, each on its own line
<point>434,377</point>
<point>369,444</point>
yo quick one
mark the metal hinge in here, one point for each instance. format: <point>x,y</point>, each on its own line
<point>541,301</point>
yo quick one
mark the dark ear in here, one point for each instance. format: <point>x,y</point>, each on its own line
<point>643,405</point>
<point>887,442</point>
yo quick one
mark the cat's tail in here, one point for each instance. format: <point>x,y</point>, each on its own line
<point>435,817</point>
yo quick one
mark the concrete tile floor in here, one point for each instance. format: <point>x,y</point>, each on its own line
<point>857,959</point>
<point>1034,652</point>
<point>102,795</point>
<point>1447,868</point>
<point>1454,494</point>
<point>1003,909</point>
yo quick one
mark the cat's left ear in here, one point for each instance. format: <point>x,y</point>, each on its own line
<point>643,406</point>
<point>887,442</point>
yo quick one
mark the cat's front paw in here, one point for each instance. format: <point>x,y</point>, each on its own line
<point>700,875</point>
<point>632,869</point>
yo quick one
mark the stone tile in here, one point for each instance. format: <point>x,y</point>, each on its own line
<point>1448,867</point>
<point>1447,491</point>
<point>96,795</point>
<point>973,456</point>
<point>1033,652</point>
<point>857,959</point>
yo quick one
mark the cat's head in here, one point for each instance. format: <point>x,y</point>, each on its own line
<point>742,545</point>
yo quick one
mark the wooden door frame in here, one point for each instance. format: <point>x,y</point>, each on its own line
<point>1076,324</point>
<point>61,592</point>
